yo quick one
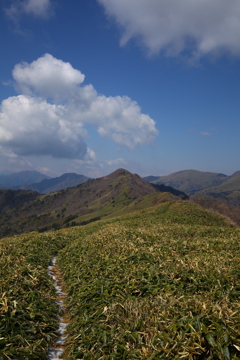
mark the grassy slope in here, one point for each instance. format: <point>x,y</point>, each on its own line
<point>159,283</point>
<point>220,205</point>
<point>28,312</point>
<point>119,206</point>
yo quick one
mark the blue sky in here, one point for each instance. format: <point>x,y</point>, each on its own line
<point>148,85</point>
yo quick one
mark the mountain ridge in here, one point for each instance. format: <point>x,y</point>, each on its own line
<point>94,199</point>
<point>194,182</point>
<point>230,189</point>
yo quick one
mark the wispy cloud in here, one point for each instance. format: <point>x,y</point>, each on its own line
<point>6,83</point>
<point>116,162</point>
<point>38,8</point>
<point>205,133</point>
<point>47,171</point>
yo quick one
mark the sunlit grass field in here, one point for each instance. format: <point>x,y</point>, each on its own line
<point>161,283</point>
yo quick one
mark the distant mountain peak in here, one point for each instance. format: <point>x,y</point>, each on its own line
<point>120,172</point>
<point>21,178</point>
<point>64,181</point>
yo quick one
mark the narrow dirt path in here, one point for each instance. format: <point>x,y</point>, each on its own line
<point>56,351</point>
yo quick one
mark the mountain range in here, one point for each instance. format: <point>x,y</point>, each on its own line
<point>194,182</point>
<point>34,180</point>
<point>191,182</point>
<point>116,194</point>
<point>73,199</point>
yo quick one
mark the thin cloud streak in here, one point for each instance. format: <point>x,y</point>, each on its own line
<point>205,133</point>
<point>116,162</point>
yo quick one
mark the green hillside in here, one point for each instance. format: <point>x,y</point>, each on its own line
<point>230,188</point>
<point>159,283</point>
<point>190,181</point>
<point>220,205</point>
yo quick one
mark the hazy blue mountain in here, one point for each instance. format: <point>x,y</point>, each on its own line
<point>8,181</point>
<point>230,188</point>
<point>64,181</point>
<point>151,178</point>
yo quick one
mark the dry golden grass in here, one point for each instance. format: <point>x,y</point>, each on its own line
<point>161,283</point>
<point>155,285</point>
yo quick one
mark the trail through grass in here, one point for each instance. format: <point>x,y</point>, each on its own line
<point>28,312</point>
<point>161,283</point>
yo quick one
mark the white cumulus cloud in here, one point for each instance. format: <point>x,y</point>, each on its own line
<point>31,126</point>
<point>199,27</point>
<point>47,77</point>
<point>120,120</point>
<point>48,118</point>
